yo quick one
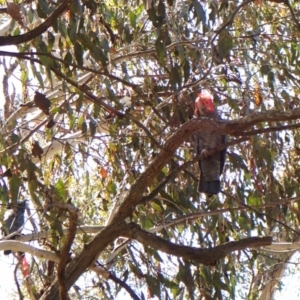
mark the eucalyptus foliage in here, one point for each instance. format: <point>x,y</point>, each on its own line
<point>115,81</point>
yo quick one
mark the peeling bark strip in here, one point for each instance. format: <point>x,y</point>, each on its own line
<point>36,32</point>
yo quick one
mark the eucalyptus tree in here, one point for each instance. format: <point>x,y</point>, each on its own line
<point>97,133</point>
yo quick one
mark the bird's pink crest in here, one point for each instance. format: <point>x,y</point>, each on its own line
<point>204,103</point>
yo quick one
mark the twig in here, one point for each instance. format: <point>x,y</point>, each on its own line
<point>48,234</point>
<point>12,147</point>
<point>109,275</point>
<point>21,296</point>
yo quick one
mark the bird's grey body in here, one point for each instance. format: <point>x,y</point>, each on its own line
<point>13,220</point>
<point>212,165</point>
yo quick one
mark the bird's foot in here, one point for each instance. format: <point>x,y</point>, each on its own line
<point>204,152</point>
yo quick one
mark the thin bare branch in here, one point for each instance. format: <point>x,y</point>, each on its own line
<point>21,247</point>
<point>109,275</point>
<point>21,296</point>
<point>48,234</point>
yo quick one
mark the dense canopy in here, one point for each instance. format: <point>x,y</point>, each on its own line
<point>96,133</point>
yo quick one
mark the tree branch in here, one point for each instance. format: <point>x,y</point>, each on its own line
<point>271,129</point>
<point>21,247</point>
<point>172,174</point>
<point>208,256</point>
<point>109,275</point>
<point>87,257</point>
<point>65,251</point>
<point>48,234</point>
<point>234,127</point>
<point>183,219</point>
<point>134,195</point>
<point>36,32</point>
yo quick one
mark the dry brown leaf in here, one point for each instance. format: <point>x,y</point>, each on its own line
<point>50,124</point>
<point>36,150</point>
<point>14,11</point>
<point>84,87</point>
<point>103,172</point>
<point>257,95</point>
<point>113,50</point>
<point>42,102</point>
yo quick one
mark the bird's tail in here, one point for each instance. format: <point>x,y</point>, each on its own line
<point>209,187</point>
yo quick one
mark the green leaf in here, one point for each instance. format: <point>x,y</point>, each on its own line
<point>104,44</point>
<point>200,13</point>
<point>127,34</point>
<point>4,194</point>
<point>186,70</point>
<point>78,53</point>
<point>160,49</point>
<point>14,188</point>
<point>237,161</point>
<point>61,189</point>
<point>271,78</point>
<point>175,78</point>
<point>132,19</point>
<point>139,10</point>
<point>14,138</point>
<point>225,44</point>
<point>42,9</point>
<point>96,52</point>
<point>213,12</point>
<point>251,200</point>
<point>84,127</point>
<point>93,127</point>
<point>96,110</point>
<point>111,187</point>
<point>68,57</point>
<point>294,52</point>
<point>146,223</point>
<point>24,76</point>
<point>265,68</point>
<point>79,102</point>
<point>51,40</point>
<point>285,95</point>
<point>153,286</point>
